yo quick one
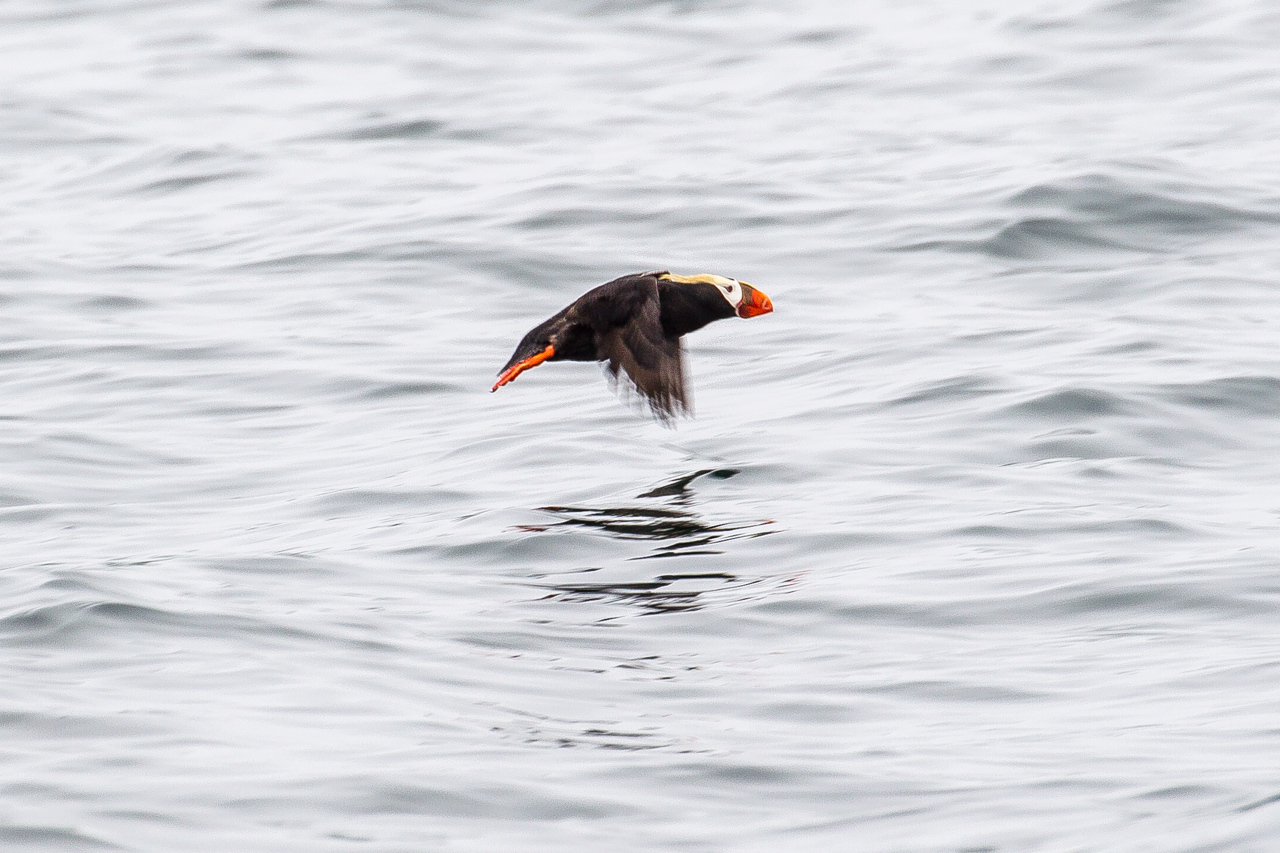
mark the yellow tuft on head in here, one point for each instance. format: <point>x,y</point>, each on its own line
<point>729,288</point>
<point>704,278</point>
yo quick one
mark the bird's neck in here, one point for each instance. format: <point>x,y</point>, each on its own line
<point>688,307</point>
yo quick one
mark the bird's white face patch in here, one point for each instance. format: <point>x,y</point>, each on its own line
<point>732,291</point>
<point>730,288</point>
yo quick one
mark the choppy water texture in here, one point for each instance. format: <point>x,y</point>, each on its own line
<point>973,545</point>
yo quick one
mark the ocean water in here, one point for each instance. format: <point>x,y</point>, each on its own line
<point>973,545</point>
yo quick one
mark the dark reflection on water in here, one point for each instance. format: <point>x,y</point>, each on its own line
<point>679,487</point>
<point>679,532</point>
<point>559,732</point>
<point>662,594</point>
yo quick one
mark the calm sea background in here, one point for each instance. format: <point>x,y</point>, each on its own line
<point>974,544</point>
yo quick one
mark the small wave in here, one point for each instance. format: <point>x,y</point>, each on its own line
<point>1245,395</point>
<point>276,564</point>
<point>30,724</point>
<point>1069,602</point>
<point>1099,213</point>
<point>953,691</point>
<point>56,624</point>
<point>390,390</point>
<point>114,302</point>
<point>412,129</point>
<point>824,35</point>
<point>161,170</point>
<point>1077,444</point>
<point>1032,530</point>
<point>1033,236</point>
<point>1107,200</point>
<point>17,838</point>
<point>166,186</point>
<point>1144,598</point>
<point>13,499</point>
<point>1259,803</point>
<point>357,500</point>
<point>40,127</point>
<point>377,796</point>
<point>1108,16</point>
<point>1089,423</point>
<point>267,54</point>
<point>955,388</point>
<point>1071,404</point>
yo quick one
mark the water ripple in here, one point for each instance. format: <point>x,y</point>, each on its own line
<point>1100,213</point>
<point>971,546</point>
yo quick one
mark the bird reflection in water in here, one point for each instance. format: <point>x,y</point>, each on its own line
<point>676,530</point>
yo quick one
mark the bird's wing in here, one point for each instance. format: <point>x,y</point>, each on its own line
<point>651,360</point>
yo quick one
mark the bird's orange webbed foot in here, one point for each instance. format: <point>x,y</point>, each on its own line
<point>520,367</point>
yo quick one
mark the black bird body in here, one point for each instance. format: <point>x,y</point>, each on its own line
<point>634,323</point>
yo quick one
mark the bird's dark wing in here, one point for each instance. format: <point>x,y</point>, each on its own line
<point>652,361</point>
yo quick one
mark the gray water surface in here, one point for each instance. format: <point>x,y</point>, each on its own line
<point>974,544</point>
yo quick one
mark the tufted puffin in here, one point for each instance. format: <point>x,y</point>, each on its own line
<point>635,324</point>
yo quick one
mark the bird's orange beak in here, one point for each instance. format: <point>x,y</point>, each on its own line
<point>754,302</point>
<point>521,367</point>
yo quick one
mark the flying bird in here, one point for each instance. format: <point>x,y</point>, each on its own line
<point>635,323</point>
